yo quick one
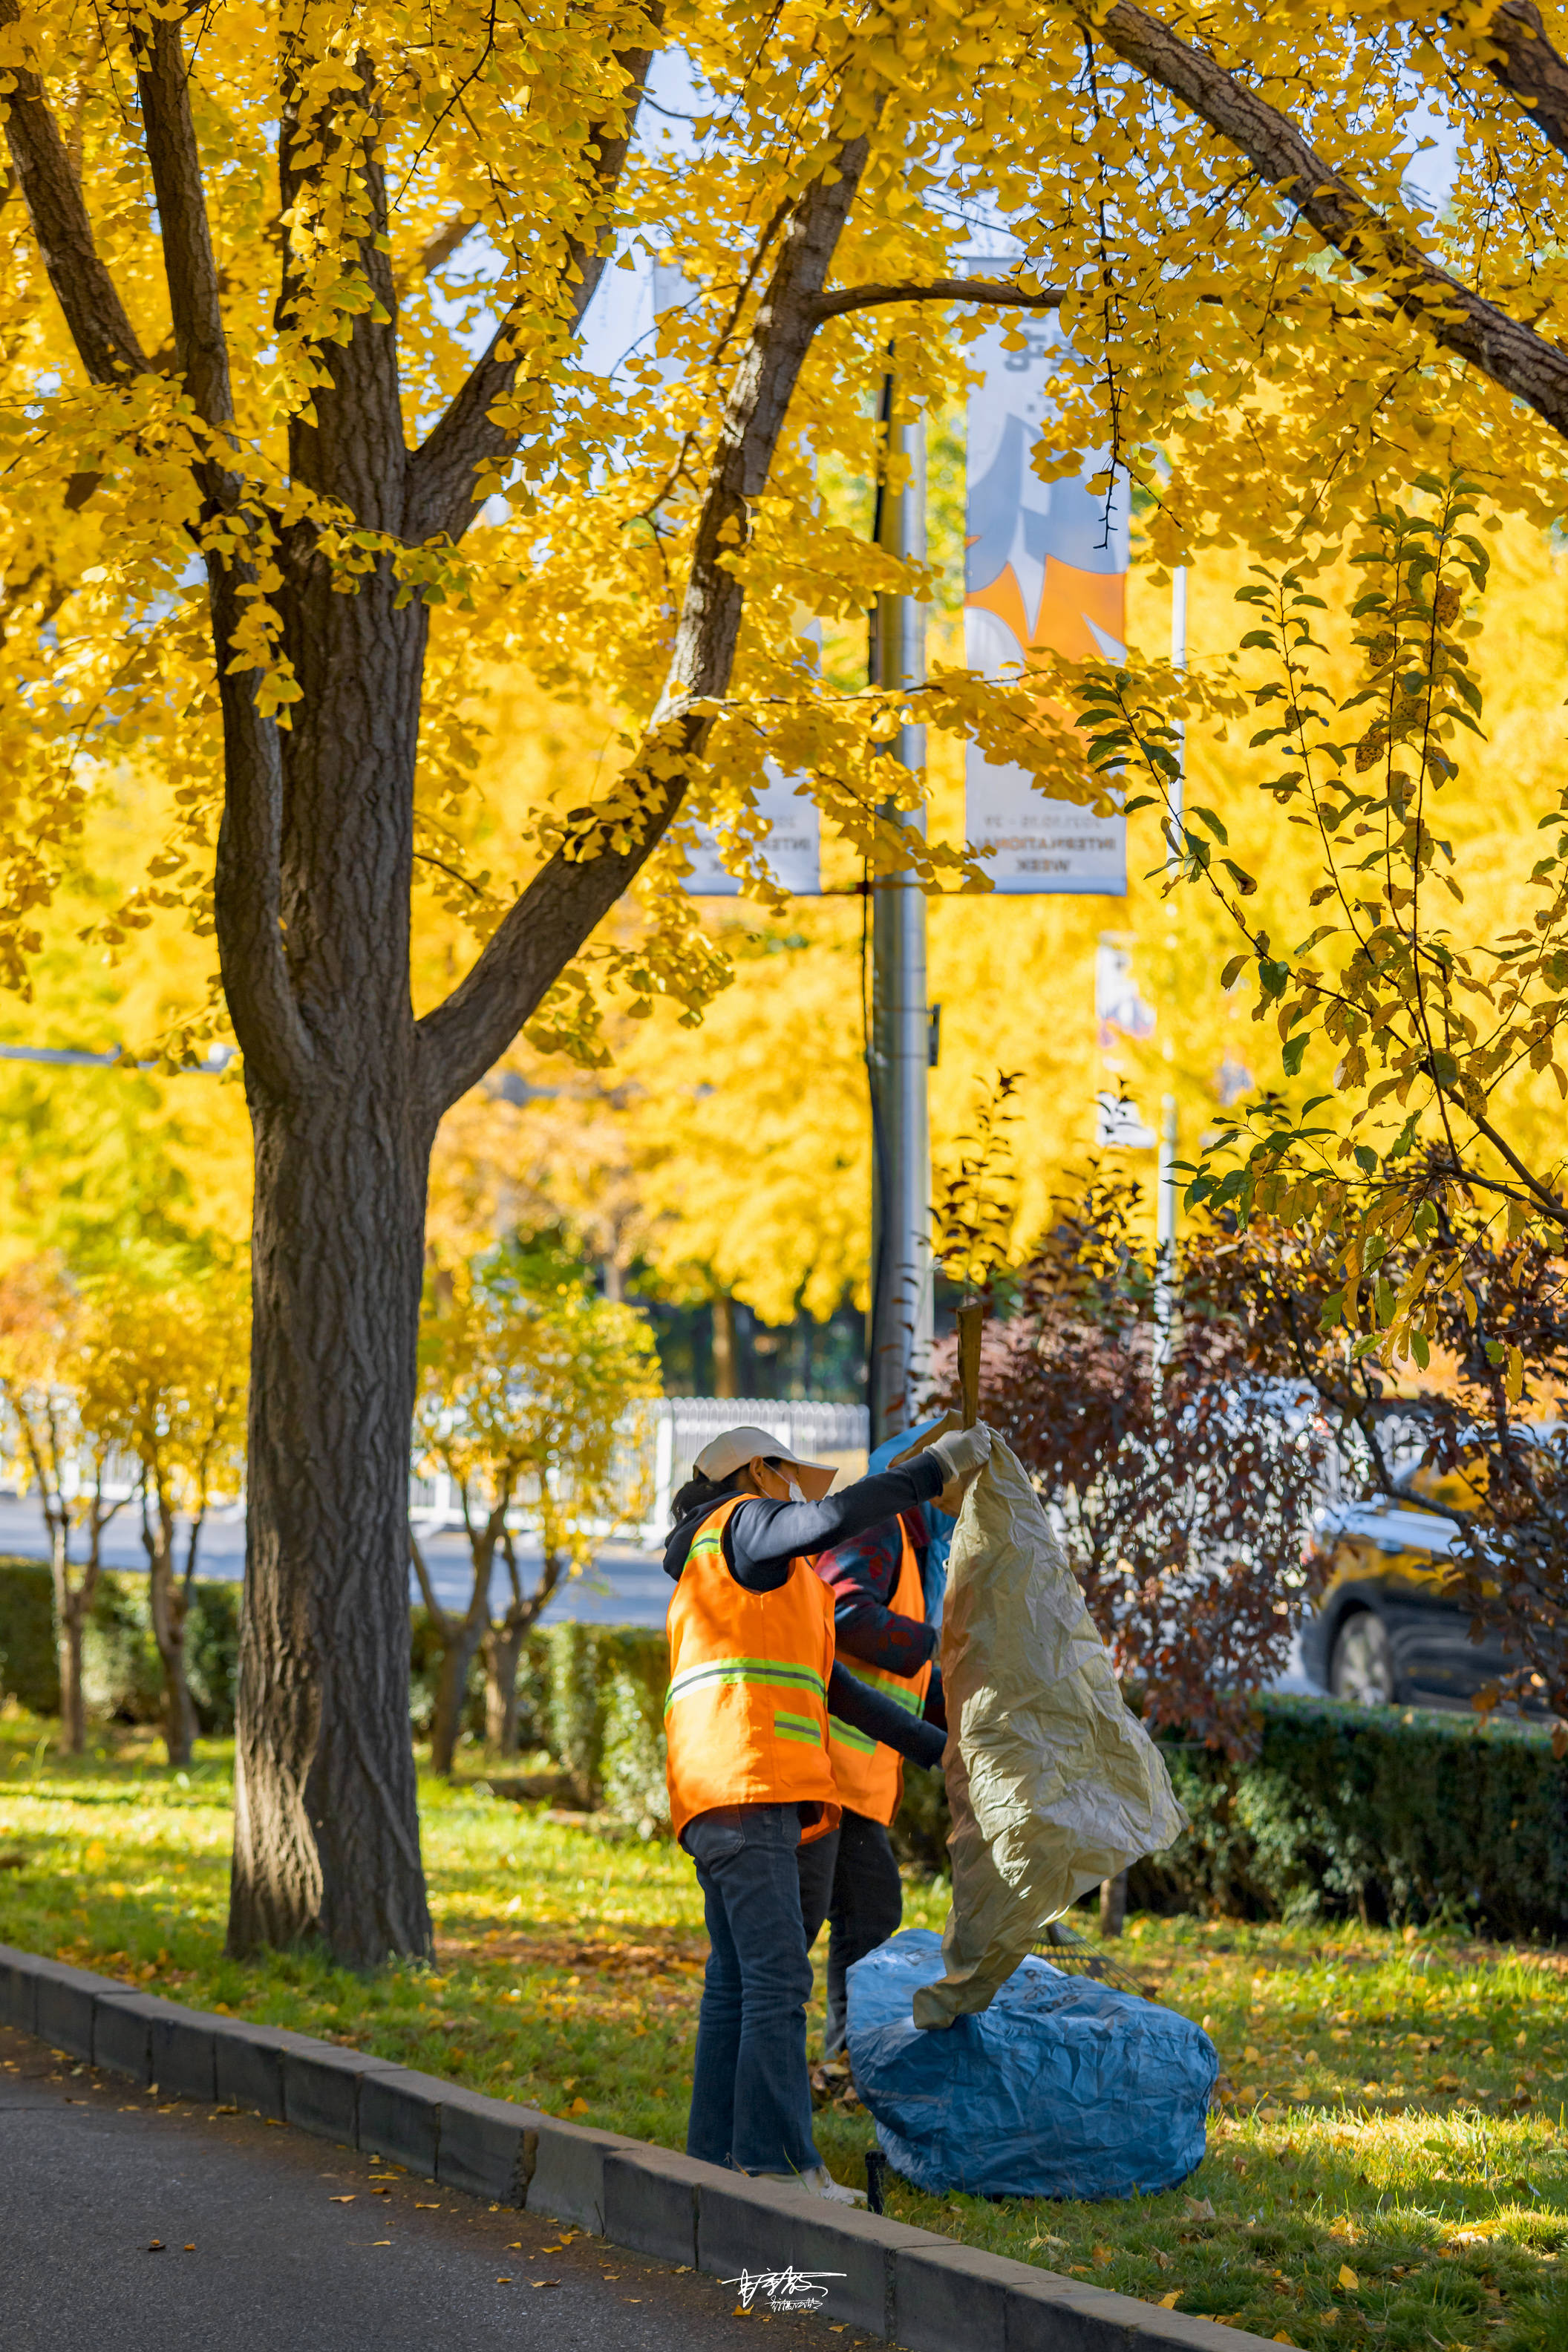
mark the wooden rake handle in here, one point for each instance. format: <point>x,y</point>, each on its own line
<point>971,1319</point>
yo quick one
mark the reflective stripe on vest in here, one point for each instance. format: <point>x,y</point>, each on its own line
<point>745,1715</point>
<point>870,1777</point>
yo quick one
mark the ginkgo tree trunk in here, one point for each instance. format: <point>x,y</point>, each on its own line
<point>242,387</point>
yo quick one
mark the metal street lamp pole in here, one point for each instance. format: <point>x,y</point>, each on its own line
<point>1166,1181</point>
<point>901,1021</point>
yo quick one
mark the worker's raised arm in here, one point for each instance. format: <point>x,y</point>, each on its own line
<point>761,1537</point>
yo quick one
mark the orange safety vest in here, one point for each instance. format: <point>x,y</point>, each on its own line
<point>745,1717</point>
<point>870,1777</point>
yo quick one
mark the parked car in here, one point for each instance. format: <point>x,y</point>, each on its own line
<point>1391,1627</point>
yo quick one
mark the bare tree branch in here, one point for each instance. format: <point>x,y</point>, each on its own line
<point>441,473</point>
<point>1518,53</point>
<point>539,935</point>
<point>941,290</point>
<point>438,1617</point>
<point>1520,362</point>
<point>105,341</point>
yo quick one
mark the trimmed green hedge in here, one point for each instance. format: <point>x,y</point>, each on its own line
<point>120,1671</point>
<point>1391,1814</point>
<point>28,1670</point>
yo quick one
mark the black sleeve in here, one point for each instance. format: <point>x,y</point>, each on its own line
<point>865,1709</point>
<point>761,1537</point>
<point>936,1700</point>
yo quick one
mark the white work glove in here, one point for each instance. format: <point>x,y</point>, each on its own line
<point>962,1451</point>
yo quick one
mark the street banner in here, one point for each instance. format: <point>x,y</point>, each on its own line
<point>1046,573</point>
<point>791,853</point>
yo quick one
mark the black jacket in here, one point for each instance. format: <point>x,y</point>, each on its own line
<point>762,1539</point>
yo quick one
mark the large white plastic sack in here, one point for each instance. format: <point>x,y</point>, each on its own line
<point>1052,1785</point>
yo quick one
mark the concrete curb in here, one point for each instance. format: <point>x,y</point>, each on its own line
<point>916,2289</point>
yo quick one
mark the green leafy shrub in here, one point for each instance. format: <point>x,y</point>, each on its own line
<point>121,1677</point>
<point>633,1755</point>
<point>1395,1814</point>
<point>29,1670</point>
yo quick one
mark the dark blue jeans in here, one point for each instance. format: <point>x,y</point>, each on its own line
<point>850,1878</point>
<point>750,2094</point>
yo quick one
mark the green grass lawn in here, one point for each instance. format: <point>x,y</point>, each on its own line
<point>1390,2165</point>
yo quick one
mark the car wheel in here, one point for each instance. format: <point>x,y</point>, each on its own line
<point>1362,1668</point>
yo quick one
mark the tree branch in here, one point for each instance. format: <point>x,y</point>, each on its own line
<point>1518,54</point>
<point>1517,359</point>
<point>267,1020</point>
<point>540,934</point>
<point>440,493</point>
<point>444,242</point>
<point>1549,1202</point>
<point>105,341</point>
<point>438,1617</point>
<point>247,897</point>
<point>201,347</point>
<point>250,941</point>
<point>941,290</point>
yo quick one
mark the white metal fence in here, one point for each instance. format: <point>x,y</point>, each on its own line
<point>660,1443</point>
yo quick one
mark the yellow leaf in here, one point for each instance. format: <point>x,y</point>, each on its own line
<point>1347,2279</point>
<point>1169,2302</point>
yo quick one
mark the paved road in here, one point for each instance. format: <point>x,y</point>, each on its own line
<point>256,2255</point>
<point>626,1587</point>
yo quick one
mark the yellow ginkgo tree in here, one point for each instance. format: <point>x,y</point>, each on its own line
<point>530,1387</point>
<point>259,391</point>
<point>161,1377</point>
<point>299,437</point>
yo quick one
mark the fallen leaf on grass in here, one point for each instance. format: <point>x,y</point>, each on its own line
<point>1044,2240</point>
<point>1169,2302</point>
<point>579,2106</point>
<point>1199,2209</point>
<point>1347,2279</point>
<point>1163,2261</point>
<point>1283,2338</point>
<point>1102,2255</point>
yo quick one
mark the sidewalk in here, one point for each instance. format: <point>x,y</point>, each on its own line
<point>93,2170</point>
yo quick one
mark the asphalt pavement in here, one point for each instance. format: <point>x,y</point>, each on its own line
<point>156,2227</point>
<point>625,1586</point>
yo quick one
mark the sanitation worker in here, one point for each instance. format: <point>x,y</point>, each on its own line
<point>751,1679</point>
<point>886,1585</point>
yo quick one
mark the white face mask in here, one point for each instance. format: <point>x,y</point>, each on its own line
<point>796,1494</point>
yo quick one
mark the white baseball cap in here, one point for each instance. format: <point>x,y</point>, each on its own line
<point>732,1448</point>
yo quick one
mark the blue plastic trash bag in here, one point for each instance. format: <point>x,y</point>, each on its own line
<point>1062,2087</point>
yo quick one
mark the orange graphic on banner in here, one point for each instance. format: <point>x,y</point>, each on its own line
<point>1069,599</point>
